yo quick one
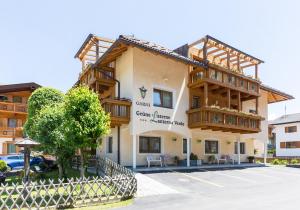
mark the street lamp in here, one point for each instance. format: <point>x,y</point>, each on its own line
<point>27,144</point>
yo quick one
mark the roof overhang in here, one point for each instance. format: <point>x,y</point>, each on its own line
<point>19,87</point>
<point>275,95</point>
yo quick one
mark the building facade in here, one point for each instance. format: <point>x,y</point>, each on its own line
<point>13,114</point>
<point>194,99</point>
<point>287,135</point>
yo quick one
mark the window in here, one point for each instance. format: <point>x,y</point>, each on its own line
<point>242,148</point>
<point>12,123</point>
<point>11,148</point>
<point>149,144</point>
<point>3,98</point>
<point>196,102</point>
<point>290,144</point>
<point>17,99</point>
<point>184,146</point>
<point>109,145</point>
<point>211,147</point>
<point>290,129</point>
<point>162,98</point>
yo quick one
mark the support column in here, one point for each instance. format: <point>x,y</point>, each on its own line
<point>239,150</point>
<point>188,152</point>
<point>256,71</point>
<point>205,94</point>
<point>228,98</point>
<point>265,152</point>
<point>239,101</point>
<point>134,151</point>
<point>256,105</point>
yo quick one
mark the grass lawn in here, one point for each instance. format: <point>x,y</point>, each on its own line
<point>70,172</point>
<point>105,206</point>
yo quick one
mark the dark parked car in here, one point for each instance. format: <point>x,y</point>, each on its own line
<point>17,161</point>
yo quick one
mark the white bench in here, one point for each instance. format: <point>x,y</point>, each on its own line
<point>155,159</point>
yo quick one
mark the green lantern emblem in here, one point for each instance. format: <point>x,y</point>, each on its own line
<point>143,92</point>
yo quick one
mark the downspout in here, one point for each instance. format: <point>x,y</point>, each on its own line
<point>118,97</point>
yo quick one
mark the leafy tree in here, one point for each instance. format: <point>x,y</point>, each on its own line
<point>45,122</point>
<point>86,121</point>
<point>50,132</point>
<point>41,97</point>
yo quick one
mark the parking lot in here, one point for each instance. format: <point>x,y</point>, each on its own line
<point>243,188</point>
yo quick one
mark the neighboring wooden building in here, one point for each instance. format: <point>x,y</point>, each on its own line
<point>197,98</point>
<point>13,114</point>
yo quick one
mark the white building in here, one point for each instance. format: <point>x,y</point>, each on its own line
<point>287,134</point>
<point>195,99</point>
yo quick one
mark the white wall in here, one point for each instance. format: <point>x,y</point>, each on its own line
<point>281,136</point>
<point>262,137</point>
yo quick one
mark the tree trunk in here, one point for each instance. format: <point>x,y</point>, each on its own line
<point>81,163</point>
<point>60,170</point>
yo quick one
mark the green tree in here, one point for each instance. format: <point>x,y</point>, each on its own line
<point>50,132</point>
<point>41,97</point>
<point>45,123</point>
<point>86,121</point>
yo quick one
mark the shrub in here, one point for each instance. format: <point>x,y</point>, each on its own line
<point>211,158</point>
<point>294,161</point>
<point>284,162</point>
<point>276,162</point>
<point>3,166</point>
<point>193,157</point>
<point>258,161</point>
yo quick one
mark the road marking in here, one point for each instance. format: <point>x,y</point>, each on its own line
<point>278,172</point>
<point>258,174</point>
<point>199,179</point>
<point>237,177</point>
<point>232,176</point>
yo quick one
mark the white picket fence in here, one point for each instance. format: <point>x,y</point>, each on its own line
<point>50,194</point>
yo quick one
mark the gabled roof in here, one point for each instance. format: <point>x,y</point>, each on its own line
<point>285,119</point>
<point>19,87</point>
<point>146,45</point>
<point>275,95</point>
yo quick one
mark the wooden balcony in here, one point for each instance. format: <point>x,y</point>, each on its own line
<point>93,77</point>
<point>224,120</point>
<point>119,110</point>
<point>13,107</point>
<point>224,78</point>
<point>11,132</point>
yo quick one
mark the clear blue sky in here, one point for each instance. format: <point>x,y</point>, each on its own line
<point>39,39</point>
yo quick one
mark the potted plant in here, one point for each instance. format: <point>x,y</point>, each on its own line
<point>193,159</point>
<point>211,159</point>
<point>251,159</point>
<point>176,160</point>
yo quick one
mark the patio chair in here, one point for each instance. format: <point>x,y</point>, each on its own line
<point>166,160</point>
<point>232,159</point>
<point>220,159</point>
<point>154,159</point>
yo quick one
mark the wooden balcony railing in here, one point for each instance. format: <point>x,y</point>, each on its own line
<point>13,107</point>
<point>119,110</point>
<point>11,132</point>
<point>224,78</point>
<point>223,120</point>
<point>103,77</point>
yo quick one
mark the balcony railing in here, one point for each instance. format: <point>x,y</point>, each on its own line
<point>224,78</point>
<point>103,77</point>
<point>13,107</point>
<point>119,110</point>
<point>11,132</point>
<point>224,120</point>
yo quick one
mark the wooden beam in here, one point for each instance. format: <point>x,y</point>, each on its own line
<point>246,66</point>
<point>205,94</point>
<point>213,51</point>
<point>228,98</point>
<point>256,71</point>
